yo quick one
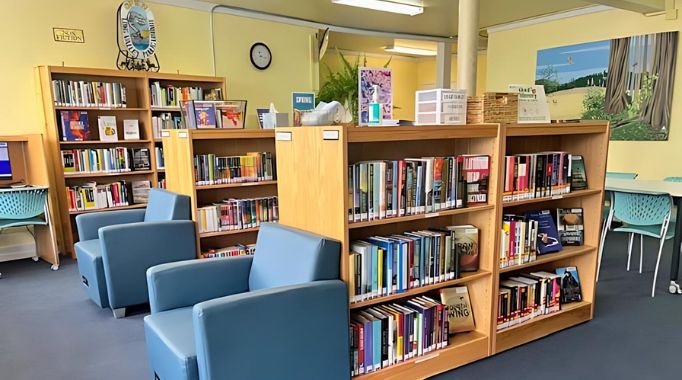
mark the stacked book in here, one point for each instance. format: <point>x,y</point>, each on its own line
<point>527,296</point>
<point>385,335</point>
<point>385,265</point>
<point>235,250</point>
<point>171,96</point>
<point>237,214</point>
<point>91,196</point>
<point>88,94</point>
<point>210,169</point>
<point>104,160</point>
<point>385,189</point>
<point>528,176</point>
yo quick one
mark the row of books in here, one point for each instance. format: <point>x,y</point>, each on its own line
<point>526,296</point>
<point>105,160</point>
<point>234,250</point>
<point>213,114</point>
<point>76,127</point>
<point>237,214</point>
<point>384,189</point>
<point>525,237</point>
<point>91,196</point>
<point>210,169</point>
<point>536,175</point>
<point>160,162</point>
<point>88,94</point>
<point>385,335</point>
<point>163,121</point>
<point>171,96</point>
<point>161,183</point>
<point>384,265</point>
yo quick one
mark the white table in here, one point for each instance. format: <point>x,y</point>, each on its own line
<point>657,187</point>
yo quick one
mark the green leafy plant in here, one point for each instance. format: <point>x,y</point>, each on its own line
<point>342,86</point>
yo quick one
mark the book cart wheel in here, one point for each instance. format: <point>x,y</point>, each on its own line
<point>54,267</point>
<point>674,288</point>
<point>36,258</point>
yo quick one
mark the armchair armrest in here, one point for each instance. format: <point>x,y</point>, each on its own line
<point>128,250</point>
<point>186,283</point>
<point>89,224</point>
<point>301,329</point>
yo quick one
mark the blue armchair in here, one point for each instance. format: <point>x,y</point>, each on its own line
<point>117,247</point>
<point>280,314</point>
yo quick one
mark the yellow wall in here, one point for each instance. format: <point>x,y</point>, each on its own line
<point>512,55</point>
<point>404,71</point>
<point>184,46</point>
<point>426,71</point>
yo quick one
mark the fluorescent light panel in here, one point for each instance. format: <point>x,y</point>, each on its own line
<point>382,5</point>
<point>409,50</point>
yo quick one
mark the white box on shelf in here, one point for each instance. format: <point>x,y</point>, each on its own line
<point>441,106</point>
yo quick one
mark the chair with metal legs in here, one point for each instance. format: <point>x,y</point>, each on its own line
<point>644,215</point>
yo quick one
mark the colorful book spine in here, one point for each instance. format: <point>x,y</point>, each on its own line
<point>237,214</point>
<point>68,93</point>
<point>210,169</point>
<point>544,174</point>
<point>526,296</point>
<point>231,251</point>
<point>105,160</point>
<point>172,96</point>
<point>91,196</point>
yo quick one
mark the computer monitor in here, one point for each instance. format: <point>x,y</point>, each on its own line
<point>5,165</point>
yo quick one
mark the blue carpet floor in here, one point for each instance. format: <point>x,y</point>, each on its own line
<point>50,330</point>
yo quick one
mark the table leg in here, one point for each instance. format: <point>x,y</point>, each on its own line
<point>675,262</point>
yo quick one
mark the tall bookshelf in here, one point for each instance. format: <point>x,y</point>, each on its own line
<point>138,106</point>
<point>313,191</point>
<point>180,147</point>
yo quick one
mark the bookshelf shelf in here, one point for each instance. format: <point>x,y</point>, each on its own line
<point>94,175</point>
<point>138,97</point>
<point>466,277</point>
<point>230,232</point>
<point>556,129</point>
<point>233,185</point>
<point>456,211</point>
<point>130,207</point>
<point>422,132</point>
<point>571,314</point>
<point>566,253</point>
<point>213,134</point>
<point>572,194</point>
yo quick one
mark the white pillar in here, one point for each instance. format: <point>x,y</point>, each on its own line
<point>467,45</point>
<point>443,64</point>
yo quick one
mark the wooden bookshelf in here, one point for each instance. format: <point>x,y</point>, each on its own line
<point>180,146</point>
<point>312,164</point>
<point>138,106</point>
<point>589,139</point>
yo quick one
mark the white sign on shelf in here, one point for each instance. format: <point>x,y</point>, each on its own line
<point>533,106</point>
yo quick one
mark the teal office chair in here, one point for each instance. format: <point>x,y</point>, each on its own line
<point>673,218</point>
<point>24,207</point>
<point>644,215</point>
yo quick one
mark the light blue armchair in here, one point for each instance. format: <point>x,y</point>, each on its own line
<point>280,314</point>
<point>117,247</point>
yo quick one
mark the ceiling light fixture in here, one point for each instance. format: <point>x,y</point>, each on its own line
<point>383,5</point>
<point>409,50</point>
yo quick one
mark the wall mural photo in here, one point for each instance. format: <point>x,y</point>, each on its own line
<point>628,81</point>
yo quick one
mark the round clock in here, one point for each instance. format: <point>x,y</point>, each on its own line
<point>261,57</point>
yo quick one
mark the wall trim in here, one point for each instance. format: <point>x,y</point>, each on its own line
<point>548,18</point>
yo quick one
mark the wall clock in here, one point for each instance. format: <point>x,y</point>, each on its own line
<point>261,57</point>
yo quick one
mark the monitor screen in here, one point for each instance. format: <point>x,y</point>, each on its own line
<point>5,166</point>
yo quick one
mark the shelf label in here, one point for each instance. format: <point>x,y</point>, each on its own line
<point>330,135</point>
<point>283,136</point>
<point>165,133</point>
<point>425,358</point>
<point>182,135</point>
<point>557,197</point>
<point>431,215</point>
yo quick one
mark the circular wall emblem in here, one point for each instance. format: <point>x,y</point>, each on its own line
<point>138,28</point>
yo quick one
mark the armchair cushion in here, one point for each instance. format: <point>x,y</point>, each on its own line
<point>164,205</point>
<point>287,256</point>
<point>170,343</point>
<point>89,224</point>
<point>91,269</point>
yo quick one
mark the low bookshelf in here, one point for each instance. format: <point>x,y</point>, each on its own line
<point>181,148</point>
<point>313,188</point>
<point>133,101</point>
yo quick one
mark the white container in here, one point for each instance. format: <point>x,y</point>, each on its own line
<point>441,106</point>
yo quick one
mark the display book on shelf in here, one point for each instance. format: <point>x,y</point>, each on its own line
<point>315,195</point>
<point>231,179</point>
<point>100,121</point>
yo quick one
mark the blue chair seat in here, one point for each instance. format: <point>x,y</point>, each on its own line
<point>170,342</point>
<point>6,223</point>
<point>91,267</point>
<point>652,231</point>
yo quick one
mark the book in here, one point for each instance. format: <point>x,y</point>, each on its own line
<point>301,102</point>
<point>569,222</point>
<point>75,125</point>
<point>160,162</point>
<point>475,169</point>
<point>230,113</point>
<point>466,247</point>
<point>570,284</point>
<point>578,174</point>
<point>140,191</point>
<point>260,113</point>
<point>141,159</point>
<point>548,236</point>
<point>131,129</point>
<point>107,128</point>
<point>460,312</point>
<point>204,114</point>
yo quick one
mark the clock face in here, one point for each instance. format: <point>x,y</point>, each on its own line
<point>261,56</point>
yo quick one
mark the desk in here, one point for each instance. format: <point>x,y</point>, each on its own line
<point>657,187</point>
